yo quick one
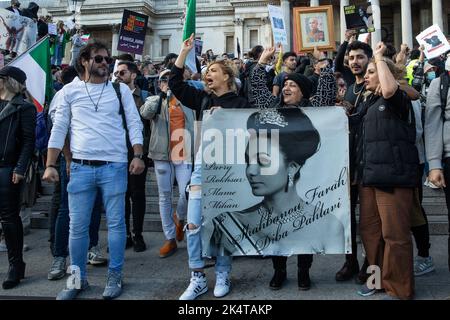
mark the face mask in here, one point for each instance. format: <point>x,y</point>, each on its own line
<point>447,64</point>
<point>431,75</point>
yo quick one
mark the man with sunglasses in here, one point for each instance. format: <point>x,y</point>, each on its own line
<point>92,111</point>
<point>127,73</point>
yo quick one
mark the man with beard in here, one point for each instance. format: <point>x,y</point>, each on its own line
<point>127,73</point>
<point>358,59</point>
<point>98,123</point>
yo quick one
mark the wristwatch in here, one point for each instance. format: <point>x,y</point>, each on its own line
<point>138,156</point>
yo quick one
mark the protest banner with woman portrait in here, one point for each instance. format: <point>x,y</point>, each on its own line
<point>275,182</point>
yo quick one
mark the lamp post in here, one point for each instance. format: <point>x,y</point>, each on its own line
<point>75,8</point>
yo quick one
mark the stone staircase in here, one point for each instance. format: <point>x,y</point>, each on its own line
<point>433,202</point>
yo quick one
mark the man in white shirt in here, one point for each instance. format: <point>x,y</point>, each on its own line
<point>91,110</point>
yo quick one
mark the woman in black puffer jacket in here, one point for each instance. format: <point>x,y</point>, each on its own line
<point>17,139</point>
<point>386,171</point>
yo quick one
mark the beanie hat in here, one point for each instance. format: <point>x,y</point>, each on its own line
<point>303,82</point>
<point>15,73</point>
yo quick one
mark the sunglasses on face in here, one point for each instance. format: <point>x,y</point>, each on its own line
<point>99,59</point>
<point>120,73</point>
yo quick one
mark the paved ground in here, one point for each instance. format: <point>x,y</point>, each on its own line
<point>149,277</point>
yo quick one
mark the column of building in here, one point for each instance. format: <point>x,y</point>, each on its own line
<point>407,36</point>
<point>436,7</point>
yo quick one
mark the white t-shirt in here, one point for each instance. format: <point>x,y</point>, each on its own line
<point>95,135</point>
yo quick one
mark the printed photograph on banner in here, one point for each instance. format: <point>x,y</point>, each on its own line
<point>275,182</point>
<point>313,26</point>
<point>434,41</point>
<point>17,33</point>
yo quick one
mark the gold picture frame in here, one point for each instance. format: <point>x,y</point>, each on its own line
<point>313,26</point>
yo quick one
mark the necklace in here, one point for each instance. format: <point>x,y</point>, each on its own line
<point>98,101</point>
<point>354,87</point>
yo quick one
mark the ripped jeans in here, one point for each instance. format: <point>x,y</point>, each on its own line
<point>194,216</point>
<point>166,172</point>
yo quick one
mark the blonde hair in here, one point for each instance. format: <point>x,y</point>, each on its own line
<point>13,86</point>
<point>228,67</point>
<point>398,71</point>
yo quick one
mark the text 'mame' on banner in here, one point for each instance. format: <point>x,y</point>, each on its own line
<point>278,25</point>
<point>132,32</point>
<point>17,33</point>
<point>275,182</point>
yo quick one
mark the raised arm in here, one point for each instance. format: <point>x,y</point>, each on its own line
<point>326,88</point>
<point>186,94</point>
<point>258,78</point>
<point>387,81</point>
<point>339,60</point>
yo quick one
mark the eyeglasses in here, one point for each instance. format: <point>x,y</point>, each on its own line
<point>99,59</point>
<point>120,73</point>
<point>163,79</point>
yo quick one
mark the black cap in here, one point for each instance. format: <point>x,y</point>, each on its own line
<point>302,81</point>
<point>14,73</point>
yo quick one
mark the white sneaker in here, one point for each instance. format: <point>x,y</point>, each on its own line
<point>223,284</point>
<point>196,288</point>
<point>423,265</point>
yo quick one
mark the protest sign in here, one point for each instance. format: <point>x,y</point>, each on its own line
<point>434,42</point>
<point>359,17</point>
<point>132,32</point>
<point>17,33</point>
<point>278,25</point>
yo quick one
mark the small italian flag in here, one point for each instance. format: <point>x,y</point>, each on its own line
<point>35,62</point>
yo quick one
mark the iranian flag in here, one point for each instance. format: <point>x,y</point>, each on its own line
<point>35,62</point>
<point>189,28</point>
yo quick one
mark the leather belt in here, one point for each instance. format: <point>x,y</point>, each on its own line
<point>94,163</point>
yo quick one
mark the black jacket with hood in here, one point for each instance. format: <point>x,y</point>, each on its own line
<point>17,134</point>
<point>199,100</point>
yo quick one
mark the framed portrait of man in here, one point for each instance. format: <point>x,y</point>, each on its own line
<point>313,26</point>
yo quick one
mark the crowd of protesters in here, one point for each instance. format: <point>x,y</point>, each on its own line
<point>113,117</point>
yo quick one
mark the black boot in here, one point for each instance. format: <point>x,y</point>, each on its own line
<point>138,243</point>
<point>278,279</point>
<point>304,282</point>
<point>349,269</point>
<point>363,275</point>
<point>16,272</point>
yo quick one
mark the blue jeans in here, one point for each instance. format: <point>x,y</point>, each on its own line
<point>111,180</point>
<point>194,216</point>
<point>62,218</point>
<point>166,172</point>
<point>57,56</point>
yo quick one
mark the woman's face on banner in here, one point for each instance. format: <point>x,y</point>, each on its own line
<point>263,155</point>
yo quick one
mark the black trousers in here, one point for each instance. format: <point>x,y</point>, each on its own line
<point>10,215</point>
<point>304,262</point>
<point>422,233</point>
<point>54,208</point>
<point>135,200</point>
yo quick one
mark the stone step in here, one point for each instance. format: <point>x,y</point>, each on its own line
<point>438,224</point>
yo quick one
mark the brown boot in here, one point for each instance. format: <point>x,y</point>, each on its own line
<point>179,225</point>
<point>169,248</point>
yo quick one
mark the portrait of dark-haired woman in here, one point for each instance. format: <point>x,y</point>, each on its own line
<point>282,224</point>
